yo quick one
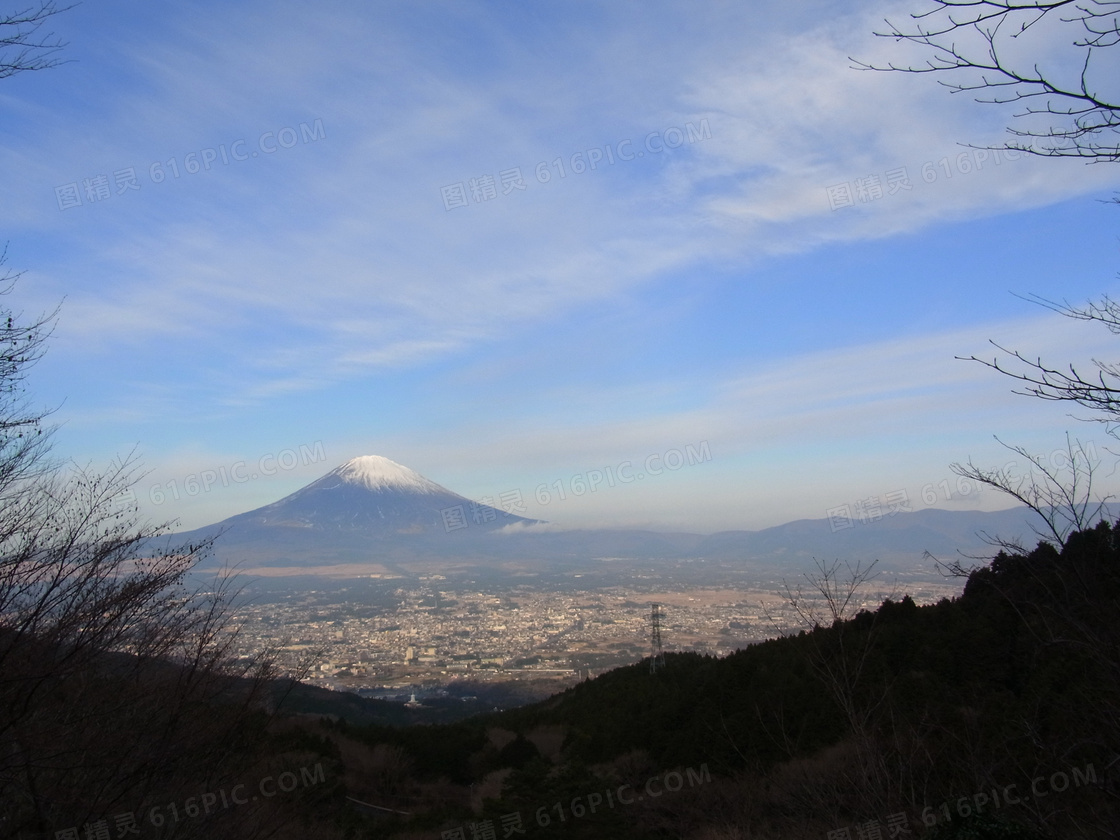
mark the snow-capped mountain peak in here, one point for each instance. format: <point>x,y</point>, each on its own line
<point>375,472</point>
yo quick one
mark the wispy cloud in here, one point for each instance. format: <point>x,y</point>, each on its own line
<point>280,289</point>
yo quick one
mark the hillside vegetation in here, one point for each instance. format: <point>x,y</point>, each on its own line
<point>994,714</point>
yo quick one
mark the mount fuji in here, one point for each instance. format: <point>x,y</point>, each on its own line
<point>369,509</point>
<point>377,496</point>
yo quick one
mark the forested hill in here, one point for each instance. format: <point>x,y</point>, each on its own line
<point>993,715</point>
<point>1027,632</point>
<point>890,713</point>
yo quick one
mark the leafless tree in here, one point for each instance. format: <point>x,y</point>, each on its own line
<point>120,683</point>
<point>832,598</point>
<point>1053,57</point>
<point>841,650</point>
<point>1099,392</point>
<point>22,47</point>
<point>1070,100</point>
<point>1063,498</point>
<point>831,604</point>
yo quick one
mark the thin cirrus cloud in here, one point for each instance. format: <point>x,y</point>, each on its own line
<point>332,272</point>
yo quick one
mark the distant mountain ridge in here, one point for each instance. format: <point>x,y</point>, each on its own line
<point>372,511</point>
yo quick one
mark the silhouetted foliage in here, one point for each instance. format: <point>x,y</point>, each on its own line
<point>1014,681</point>
<point>119,691</point>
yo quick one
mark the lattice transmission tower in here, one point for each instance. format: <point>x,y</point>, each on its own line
<point>656,654</point>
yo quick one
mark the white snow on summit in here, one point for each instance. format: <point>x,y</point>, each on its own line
<point>377,473</point>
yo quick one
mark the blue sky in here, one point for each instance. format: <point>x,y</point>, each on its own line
<point>295,256</point>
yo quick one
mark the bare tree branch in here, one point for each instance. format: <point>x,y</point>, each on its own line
<point>21,46</point>
<point>118,681</point>
<point>1100,393</point>
<point>974,39</point>
<point>1064,503</point>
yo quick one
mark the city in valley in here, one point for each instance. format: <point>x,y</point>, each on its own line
<point>402,638</point>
